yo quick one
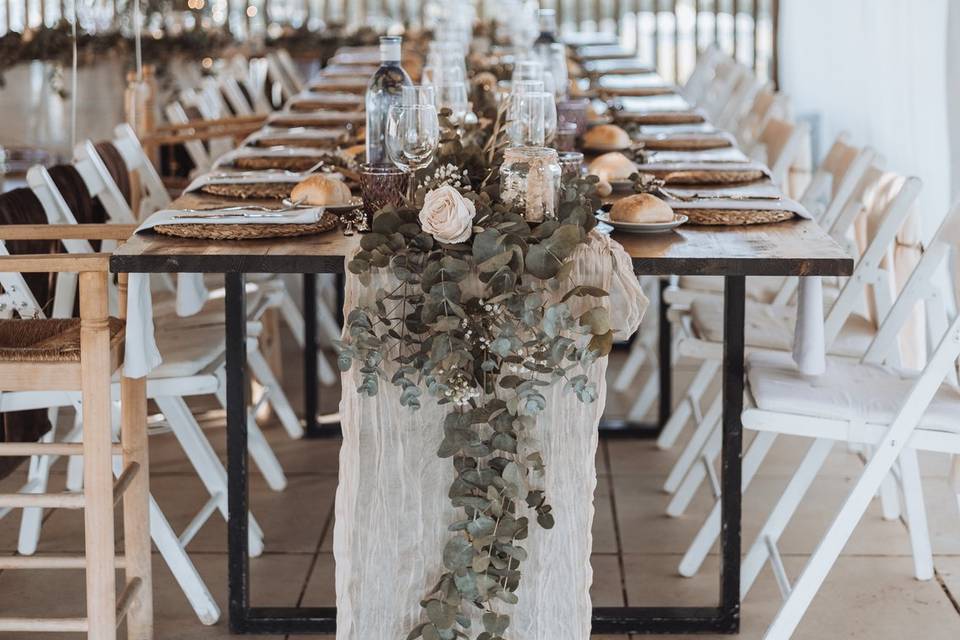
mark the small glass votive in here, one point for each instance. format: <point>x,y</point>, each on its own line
<point>382,185</point>
<point>571,165</point>
<point>566,137</point>
<point>574,110</point>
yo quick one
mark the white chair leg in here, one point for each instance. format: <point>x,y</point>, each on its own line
<point>678,419</point>
<point>889,496</point>
<point>260,369</point>
<point>204,460</point>
<point>916,514</point>
<point>292,317</point>
<point>780,516</point>
<point>294,320</point>
<point>692,451</point>
<point>75,463</point>
<point>708,533</point>
<point>182,567</point>
<point>31,519</point>
<point>701,469</point>
<point>955,477</point>
<point>827,552</point>
<point>651,388</point>
<point>260,450</point>
<point>632,365</point>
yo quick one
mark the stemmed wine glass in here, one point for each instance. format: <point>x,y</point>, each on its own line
<point>413,133</point>
<point>453,96</point>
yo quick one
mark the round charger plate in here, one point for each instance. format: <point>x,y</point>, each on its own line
<point>354,203</point>
<point>642,227</point>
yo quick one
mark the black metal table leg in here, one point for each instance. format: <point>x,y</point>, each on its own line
<point>730,505</point>
<point>311,384</point>
<point>724,618</point>
<point>626,429</point>
<point>238,496</point>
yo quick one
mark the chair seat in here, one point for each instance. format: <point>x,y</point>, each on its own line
<point>772,327</point>
<point>848,390</point>
<point>47,340</point>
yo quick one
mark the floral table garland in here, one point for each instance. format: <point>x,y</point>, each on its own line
<point>470,322</point>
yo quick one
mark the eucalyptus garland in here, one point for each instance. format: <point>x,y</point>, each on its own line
<point>483,326</point>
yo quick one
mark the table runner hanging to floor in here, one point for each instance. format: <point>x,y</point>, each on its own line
<point>392,507</point>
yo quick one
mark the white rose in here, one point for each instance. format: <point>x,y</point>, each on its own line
<point>447,215</point>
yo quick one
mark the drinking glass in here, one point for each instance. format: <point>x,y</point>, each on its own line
<point>549,113</point>
<point>525,120</point>
<point>417,94</point>
<point>554,61</point>
<point>453,96</point>
<point>527,70</point>
<point>413,133</point>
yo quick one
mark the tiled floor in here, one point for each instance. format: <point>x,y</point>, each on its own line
<point>870,594</point>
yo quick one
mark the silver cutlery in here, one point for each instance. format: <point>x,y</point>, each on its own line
<point>216,215</point>
<point>719,196</point>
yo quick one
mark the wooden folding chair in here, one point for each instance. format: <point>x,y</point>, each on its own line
<point>82,354</point>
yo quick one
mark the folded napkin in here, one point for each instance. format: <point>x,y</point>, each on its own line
<point>350,70</point>
<point>632,81</point>
<point>244,177</point>
<point>320,118</point>
<point>679,129</point>
<point>327,97</point>
<point>250,215</point>
<point>654,104</point>
<point>726,154</point>
<point>603,51</point>
<point>617,65</point>
<point>230,157</point>
<point>741,203</point>
<point>294,133</point>
<point>664,169</point>
<point>141,355</point>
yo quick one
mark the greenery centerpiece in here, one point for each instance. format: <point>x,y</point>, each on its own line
<point>478,315</point>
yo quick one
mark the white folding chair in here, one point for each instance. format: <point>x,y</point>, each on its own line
<point>830,191</point>
<point>871,282</point>
<point>767,104</point>
<point>873,403</point>
<point>703,73</point>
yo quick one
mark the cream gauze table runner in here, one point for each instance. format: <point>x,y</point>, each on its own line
<point>392,508</point>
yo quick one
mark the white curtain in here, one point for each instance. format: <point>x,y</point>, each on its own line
<point>878,69</point>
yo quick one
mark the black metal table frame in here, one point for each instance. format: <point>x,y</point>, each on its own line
<point>723,618</point>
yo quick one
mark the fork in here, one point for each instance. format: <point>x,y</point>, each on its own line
<point>192,213</point>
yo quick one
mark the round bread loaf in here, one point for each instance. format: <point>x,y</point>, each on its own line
<point>641,208</point>
<point>612,167</point>
<point>319,190</point>
<point>606,137</point>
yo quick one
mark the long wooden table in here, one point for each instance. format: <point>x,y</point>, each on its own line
<point>794,248</point>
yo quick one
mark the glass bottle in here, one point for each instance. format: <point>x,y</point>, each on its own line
<point>384,91</point>
<point>547,19</point>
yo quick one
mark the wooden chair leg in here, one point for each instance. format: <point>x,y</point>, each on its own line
<point>97,472</point>
<point>136,510</point>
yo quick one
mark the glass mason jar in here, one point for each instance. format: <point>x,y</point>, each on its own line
<point>530,182</point>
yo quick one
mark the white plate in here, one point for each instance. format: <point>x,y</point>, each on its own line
<point>642,227</point>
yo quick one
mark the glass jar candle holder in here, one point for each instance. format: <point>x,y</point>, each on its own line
<point>571,165</point>
<point>574,110</point>
<point>382,185</point>
<point>566,137</point>
<point>530,182</point>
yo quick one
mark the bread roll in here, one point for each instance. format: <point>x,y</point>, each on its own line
<point>612,167</point>
<point>606,137</point>
<point>319,190</point>
<point>642,208</point>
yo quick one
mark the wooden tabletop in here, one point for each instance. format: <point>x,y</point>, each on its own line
<point>796,247</point>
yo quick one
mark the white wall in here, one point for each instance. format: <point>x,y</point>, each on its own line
<point>878,69</point>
